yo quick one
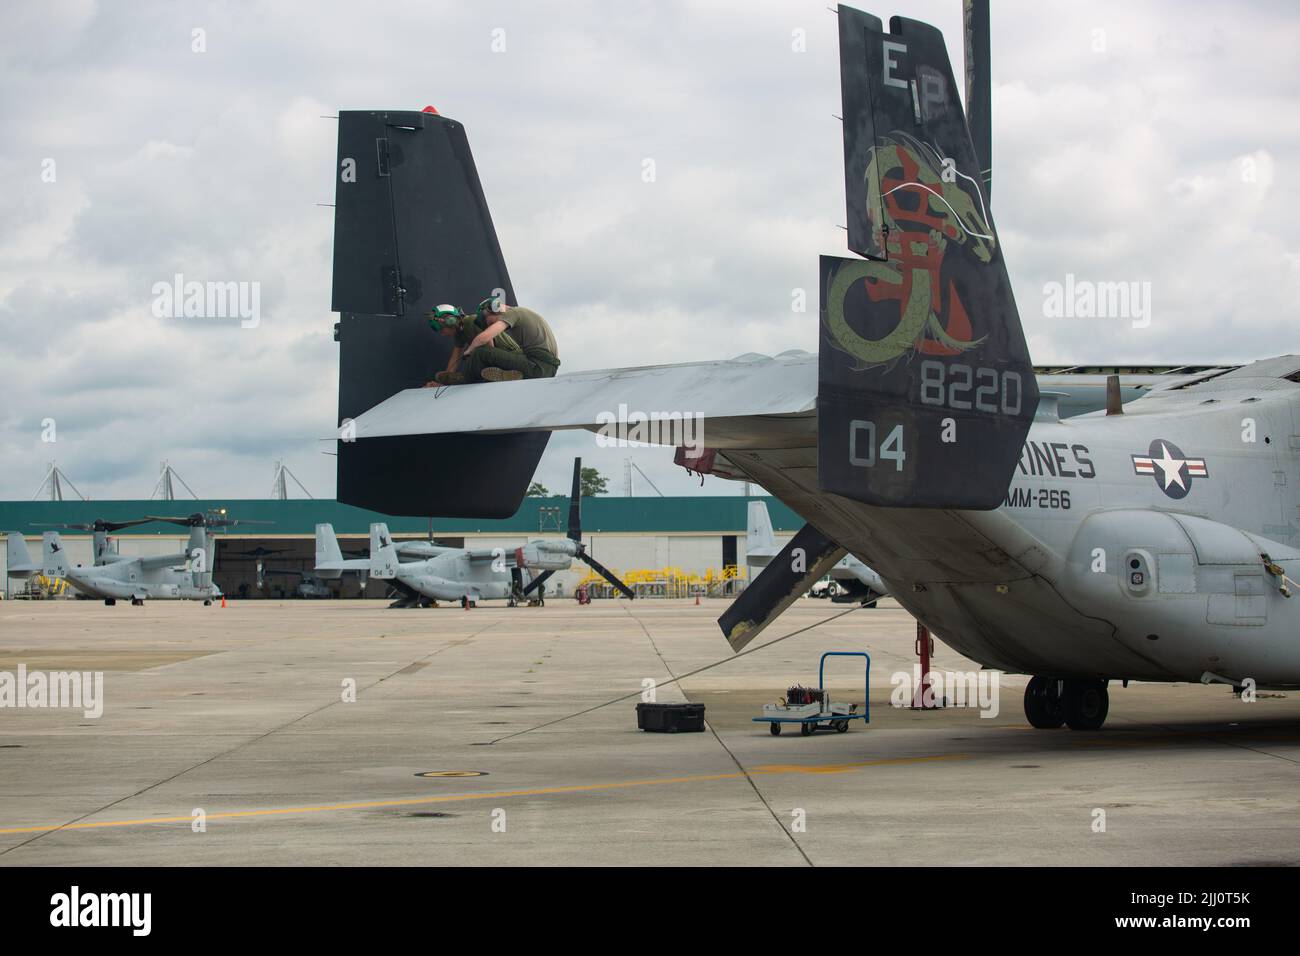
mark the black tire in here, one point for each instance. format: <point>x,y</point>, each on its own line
<point>806,728</point>
<point>110,601</point>
<point>774,729</point>
<point>1085,703</point>
<point>841,726</point>
<point>1043,704</point>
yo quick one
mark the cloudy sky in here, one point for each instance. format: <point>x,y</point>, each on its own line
<point>1152,142</point>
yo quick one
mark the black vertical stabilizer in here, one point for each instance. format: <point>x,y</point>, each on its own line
<point>859,129</point>
<point>926,391</point>
<point>979,88</point>
<point>412,230</point>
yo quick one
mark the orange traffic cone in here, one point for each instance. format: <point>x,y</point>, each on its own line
<point>223,600</point>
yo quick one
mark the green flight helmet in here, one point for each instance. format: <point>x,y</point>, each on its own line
<point>491,305</point>
<point>445,317</point>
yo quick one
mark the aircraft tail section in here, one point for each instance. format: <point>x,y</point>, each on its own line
<point>760,541</point>
<point>54,559</point>
<point>925,386</point>
<point>383,553</point>
<point>18,560</point>
<point>330,563</point>
<point>327,546</point>
<point>412,230</point>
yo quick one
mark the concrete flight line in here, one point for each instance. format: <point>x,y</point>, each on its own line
<point>765,770</point>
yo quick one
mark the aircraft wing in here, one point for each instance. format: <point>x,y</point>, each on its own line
<point>746,401</point>
<point>157,561</point>
<point>286,572</point>
<point>420,549</point>
<point>753,401</point>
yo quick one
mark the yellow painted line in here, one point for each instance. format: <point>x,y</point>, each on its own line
<point>766,770</point>
<point>1191,737</point>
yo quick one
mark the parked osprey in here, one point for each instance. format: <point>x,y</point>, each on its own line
<point>330,565</point>
<point>184,575</point>
<point>1155,543</point>
<point>476,574</point>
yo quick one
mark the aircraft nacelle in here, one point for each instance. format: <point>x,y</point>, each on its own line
<point>547,555</point>
<point>1192,596</point>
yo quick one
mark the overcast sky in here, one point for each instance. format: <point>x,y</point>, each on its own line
<point>1143,142</point>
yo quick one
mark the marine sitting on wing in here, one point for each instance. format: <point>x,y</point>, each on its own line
<point>488,351</point>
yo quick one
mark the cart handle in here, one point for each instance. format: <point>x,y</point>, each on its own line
<point>866,687</point>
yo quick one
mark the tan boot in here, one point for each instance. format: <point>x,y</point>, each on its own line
<point>501,375</point>
<point>450,378</point>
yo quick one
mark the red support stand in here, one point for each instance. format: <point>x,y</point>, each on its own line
<point>923,696</point>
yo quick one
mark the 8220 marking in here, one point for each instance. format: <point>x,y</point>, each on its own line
<point>962,388</point>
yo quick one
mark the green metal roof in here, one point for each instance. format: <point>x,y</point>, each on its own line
<point>705,514</point>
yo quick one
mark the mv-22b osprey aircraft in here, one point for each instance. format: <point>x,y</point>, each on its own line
<point>1156,544</point>
<point>185,575</point>
<point>471,575</point>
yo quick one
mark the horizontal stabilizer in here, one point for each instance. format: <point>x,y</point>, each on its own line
<point>806,559</point>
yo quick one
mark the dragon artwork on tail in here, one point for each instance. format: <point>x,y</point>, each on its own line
<point>927,204</point>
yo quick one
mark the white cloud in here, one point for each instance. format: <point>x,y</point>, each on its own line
<point>1124,164</point>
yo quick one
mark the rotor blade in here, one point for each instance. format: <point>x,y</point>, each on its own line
<point>605,573</point>
<point>187,522</point>
<point>575,503</point>
<point>537,581</point>
<point>115,525</point>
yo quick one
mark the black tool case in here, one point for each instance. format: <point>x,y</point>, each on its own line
<point>670,718</point>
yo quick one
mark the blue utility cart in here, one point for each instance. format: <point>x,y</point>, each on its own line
<point>824,714</point>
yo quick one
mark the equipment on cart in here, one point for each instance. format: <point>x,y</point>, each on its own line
<point>812,708</point>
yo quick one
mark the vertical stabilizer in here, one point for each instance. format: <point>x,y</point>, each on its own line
<point>925,386</point>
<point>412,230</point>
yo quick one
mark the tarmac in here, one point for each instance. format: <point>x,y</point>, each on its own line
<point>229,737</point>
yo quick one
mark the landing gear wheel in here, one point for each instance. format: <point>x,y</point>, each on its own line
<point>1043,703</point>
<point>110,601</point>
<point>137,602</point>
<point>805,729</point>
<point>774,729</point>
<point>841,726</point>
<point>1085,703</point>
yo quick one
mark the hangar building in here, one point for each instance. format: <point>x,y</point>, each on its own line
<point>628,534</point>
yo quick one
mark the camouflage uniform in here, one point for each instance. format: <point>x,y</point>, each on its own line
<point>531,350</point>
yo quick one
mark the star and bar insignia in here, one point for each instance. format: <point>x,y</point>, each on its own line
<point>1172,470</point>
